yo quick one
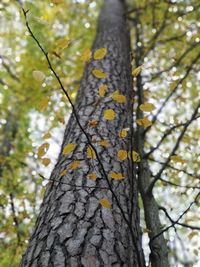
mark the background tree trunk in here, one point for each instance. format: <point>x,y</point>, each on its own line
<point>73,229</point>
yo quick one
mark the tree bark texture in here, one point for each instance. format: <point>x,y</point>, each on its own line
<point>73,229</point>
<point>158,246</point>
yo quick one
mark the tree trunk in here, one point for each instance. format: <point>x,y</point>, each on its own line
<point>73,228</point>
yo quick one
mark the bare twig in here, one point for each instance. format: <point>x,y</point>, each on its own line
<point>166,134</point>
<point>15,219</point>
<point>177,220</point>
<point>178,223</point>
<point>72,185</point>
<point>158,175</point>
<point>8,69</point>
<point>178,185</point>
<point>177,62</point>
<point>2,82</point>
<point>154,119</point>
<point>173,38</point>
<point>176,169</point>
<point>158,32</point>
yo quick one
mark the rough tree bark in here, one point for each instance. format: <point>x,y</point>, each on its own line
<point>73,229</point>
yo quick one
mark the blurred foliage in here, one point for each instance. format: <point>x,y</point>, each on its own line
<point>168,44</point>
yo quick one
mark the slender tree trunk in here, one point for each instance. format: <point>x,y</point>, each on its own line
<point>158,246</point>
<point>73,229</point>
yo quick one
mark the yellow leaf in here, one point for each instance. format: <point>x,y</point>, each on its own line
<point>122,154</point>
<point>46,161</point>
<point>105,203</point>
<point>93,123</point>
<point>135,156</point>
<point>91,153</point>
<point>74,165</point>
<point>56,2</point>
<point>43,104</point>
<point>145,122</point>
<point>118,98</point>
<point>42,150</point>
<point>186,139</point>
<point>109,114</point>
<point>99,74</point>
<point>192,234</point>
<point>38,75</point>
<point>123,133</point>
<point>147,107</point>
<point>86,56</point>
<point>196,252</point>
<point>62,173</point>
<point>92,176</point>
<point>102,90</point>
<point>103,143</point>
<point>47,136</point>
<point>146,230</point>
<point>62,43</point>
<point>100,53</point>
<point>177,158</point>
<point>55,53</point>
<point>116,175</point>
<point>61,119</point>
<point>136,71</point>
<point>146,93</point>
<point>68,149</point>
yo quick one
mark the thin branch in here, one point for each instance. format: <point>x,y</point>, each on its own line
<point>154,119</point>
<point>178,185</point>
<point>2,82</point>
<point>166,134</point>
<point>132,10</point>
<point>176,169</point>
<point>8,69</point>
<point>176,221</point>
<point>177,62</point>
<point>15,219</point>
<point>72,185</point>
<point>184,13</point>
<point>173,38</point>
<point>158,32</point>
<point>158,175</point>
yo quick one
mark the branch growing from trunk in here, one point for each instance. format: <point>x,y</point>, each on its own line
<point>176,221</point>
